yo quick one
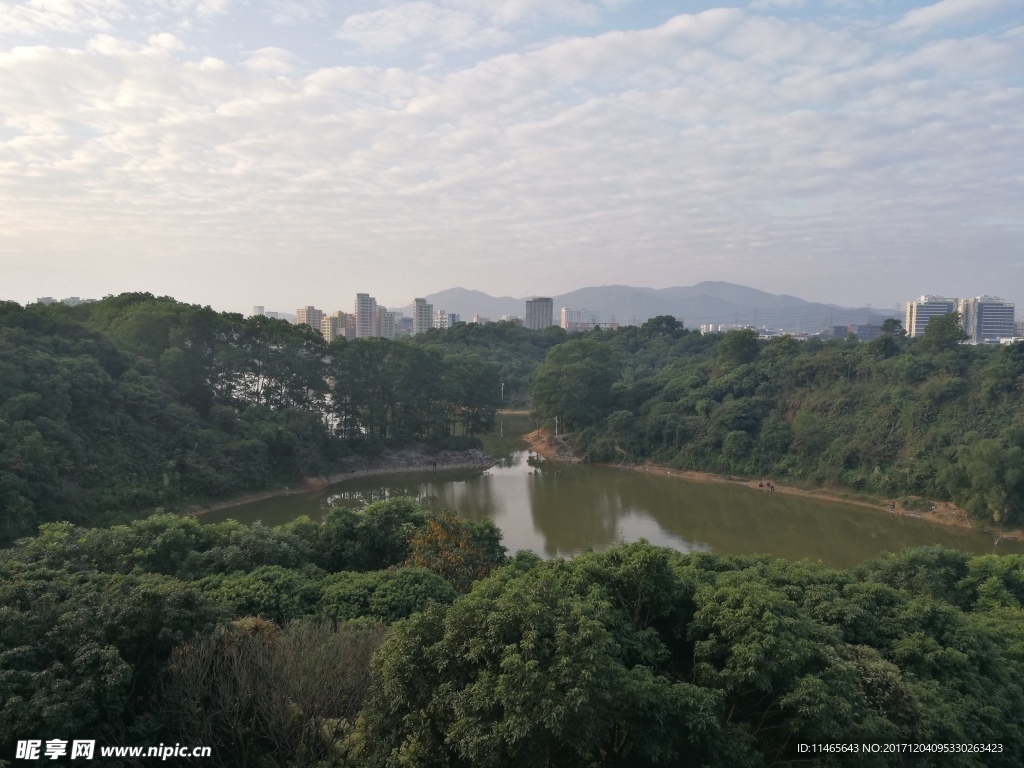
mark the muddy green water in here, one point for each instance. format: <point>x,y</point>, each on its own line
<point>559,509</point>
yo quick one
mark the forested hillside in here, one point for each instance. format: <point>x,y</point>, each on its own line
<point>260,644</point>
<point>894,417</point>
<point>137,402</point>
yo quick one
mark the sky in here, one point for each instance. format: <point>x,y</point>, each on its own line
<point>285,153</point>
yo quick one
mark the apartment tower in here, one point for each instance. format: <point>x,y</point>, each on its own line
<point>540,313</point>
<point>366,316</point>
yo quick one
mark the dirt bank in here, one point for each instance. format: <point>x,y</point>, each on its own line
<point>402,461</point>
<point>942,513</point>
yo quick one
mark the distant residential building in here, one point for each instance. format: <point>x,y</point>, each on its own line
<point>577,319</point>
<point>453,318</point>
<point>514,319</point>
<point>987,319</point>
<point>366,316</point>
<point>481,320</point>
<point>440,319</point>
<point>309,315</point>
<point>920,312</point>
<point>1018,327</point>
<point>259,309</point>
<point>422,316</point>
<point>403,326</point>
<point>387,322</point>
<point>540,313</point>
<point>863,332</point>
<point>333,326</point>
<point>47,300</point>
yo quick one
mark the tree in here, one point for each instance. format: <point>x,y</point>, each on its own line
<point>943,333</point>
<point>574,383</point>
<point>893,327</point>
<point>739,347</point>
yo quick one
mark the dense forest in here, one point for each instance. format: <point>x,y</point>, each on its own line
<point>111,409</point>
<point>392,636</point>
<point>395,637</point>
<point>137,402</point>
<point>894,417</point>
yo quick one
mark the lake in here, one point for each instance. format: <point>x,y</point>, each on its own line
<point>557,509</point>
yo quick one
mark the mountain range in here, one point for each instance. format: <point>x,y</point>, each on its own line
<point>712,302</point>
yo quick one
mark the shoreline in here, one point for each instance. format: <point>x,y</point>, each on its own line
<point>406,461</point>
<point>942,512</point>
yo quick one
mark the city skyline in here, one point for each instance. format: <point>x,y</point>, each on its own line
<point>848,152</point>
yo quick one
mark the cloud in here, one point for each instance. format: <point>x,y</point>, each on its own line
<point>417,23</point>
<point>461,24</point>
<point>951,12</point>
<point>772,149</point>
<point>33,18</point>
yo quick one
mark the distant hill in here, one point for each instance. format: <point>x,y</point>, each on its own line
<point>712,302</point>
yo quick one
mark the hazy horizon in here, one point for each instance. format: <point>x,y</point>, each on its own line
<point>846,152</point>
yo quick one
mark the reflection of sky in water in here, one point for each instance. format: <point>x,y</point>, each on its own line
<point>563,509</point>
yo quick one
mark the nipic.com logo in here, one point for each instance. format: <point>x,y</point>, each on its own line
<point>52,749</point>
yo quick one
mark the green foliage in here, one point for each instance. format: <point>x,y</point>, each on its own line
<point>459,551</point>
<point>641,656</point>
<point>137,402</point>
<point>943,333</point>
<point>896,417</point>
<point>384,595</point>
<point>739,347</point>
<point>574,383</point>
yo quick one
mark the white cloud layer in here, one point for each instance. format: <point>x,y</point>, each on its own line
<point>840,161</point>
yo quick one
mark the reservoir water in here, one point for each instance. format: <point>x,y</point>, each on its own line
<point>557,509</point>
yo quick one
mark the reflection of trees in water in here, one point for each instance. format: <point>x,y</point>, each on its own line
<point>744,520</point>
<point>572,514</point>
<point>360,497</point>
<point>507,438</point>
<point>473,500</point>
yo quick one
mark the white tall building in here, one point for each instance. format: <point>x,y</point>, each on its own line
<point>540,313</point>
<point>366,316</point>
<point>440,319</point>
<point>924,309</point>
<point>422,316</point>
<point>987,319</point>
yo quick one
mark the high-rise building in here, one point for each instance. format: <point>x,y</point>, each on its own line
<point>540,313</point>
<point>422,316</point>
<point>387,322</point>
<point>920,312</point>
<point>309,315</point>
<point>441,319</point>
<point>366,316</point>
<point>333,326</point>
<point>259,309</point>
<point>986,319</point>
